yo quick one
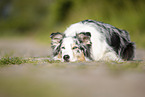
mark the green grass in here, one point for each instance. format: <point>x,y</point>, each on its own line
<point>113,66</point>
<point>12,60</point>
<point>6,60</point>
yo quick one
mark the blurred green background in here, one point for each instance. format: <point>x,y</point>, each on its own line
<point>39,18</point>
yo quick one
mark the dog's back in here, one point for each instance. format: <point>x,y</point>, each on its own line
<point>118,39</point>
<point>106,39</point>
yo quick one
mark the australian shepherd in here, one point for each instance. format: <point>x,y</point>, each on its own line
<point>92,40</point>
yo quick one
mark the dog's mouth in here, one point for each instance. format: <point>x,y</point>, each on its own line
<point>66,60</point>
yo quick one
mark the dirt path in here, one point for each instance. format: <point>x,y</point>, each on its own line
<point>91,79</point>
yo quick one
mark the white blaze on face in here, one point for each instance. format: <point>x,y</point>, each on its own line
<point>66,48</point>
<point>70,50</point>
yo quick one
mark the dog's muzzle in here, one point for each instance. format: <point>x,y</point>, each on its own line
<point>66,58</point>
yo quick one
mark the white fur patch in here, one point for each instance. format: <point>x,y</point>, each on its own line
<point>100,50</point>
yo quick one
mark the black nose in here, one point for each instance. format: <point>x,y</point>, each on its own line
<point>66,58</point>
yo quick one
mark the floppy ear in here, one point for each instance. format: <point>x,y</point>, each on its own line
<point>85,41</point>
<point>84,38</point>
<point>56,38</point>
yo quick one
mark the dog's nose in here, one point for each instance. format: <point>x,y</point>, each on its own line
<point>66,58</point>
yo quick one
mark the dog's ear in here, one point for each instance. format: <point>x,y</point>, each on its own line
<point>84,38</point>
<point>56,38</point>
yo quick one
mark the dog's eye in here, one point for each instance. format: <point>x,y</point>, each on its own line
<point>63,47</point>
<point>75,47</point>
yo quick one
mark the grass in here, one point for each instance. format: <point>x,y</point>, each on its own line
<point>19,60</point>
<point>113,66</point>
<point>12,60</point>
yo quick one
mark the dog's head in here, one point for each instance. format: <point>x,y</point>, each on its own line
<point>70,49</point>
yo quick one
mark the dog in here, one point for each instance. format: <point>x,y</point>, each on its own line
<point>91,40</point>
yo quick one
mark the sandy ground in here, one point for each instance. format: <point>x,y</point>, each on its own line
<point>89,79</point>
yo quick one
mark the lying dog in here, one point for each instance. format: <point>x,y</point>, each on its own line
<point>92,40</point>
